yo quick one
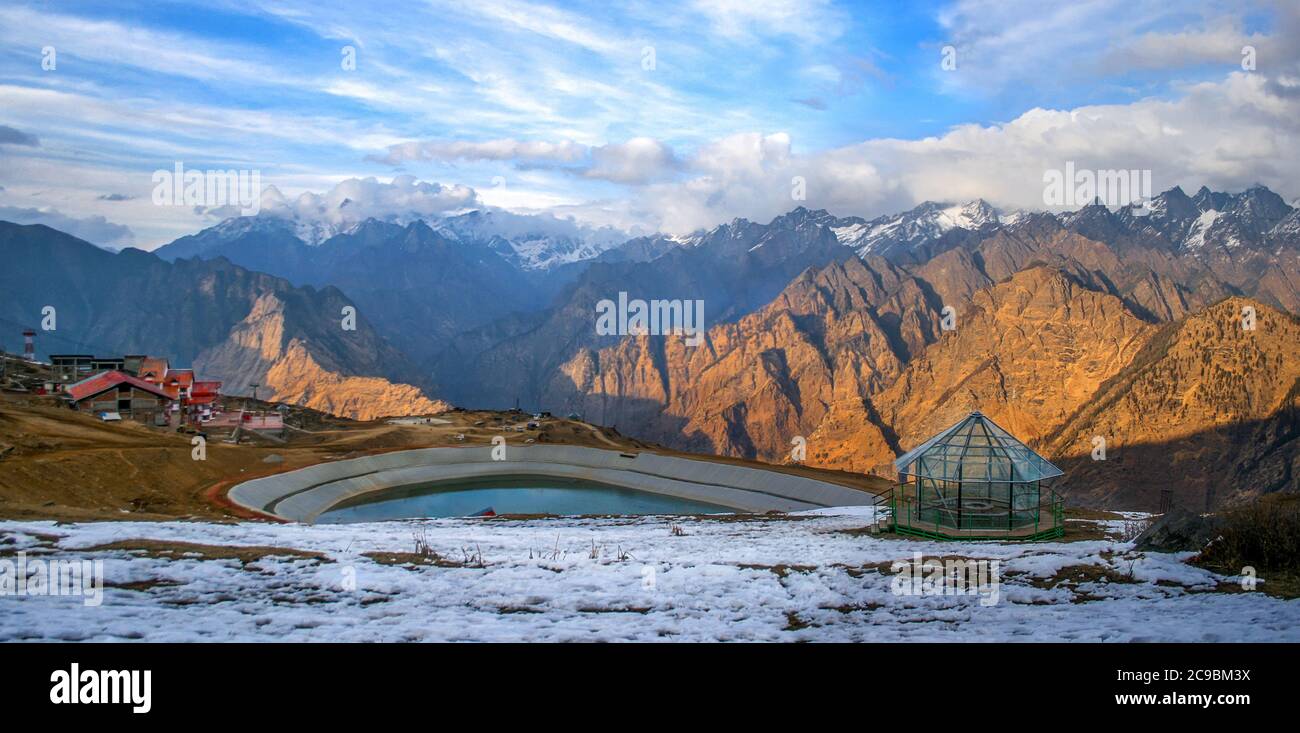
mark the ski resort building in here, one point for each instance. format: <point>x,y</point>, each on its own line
<point>117,393</point>
<point>976,481</point>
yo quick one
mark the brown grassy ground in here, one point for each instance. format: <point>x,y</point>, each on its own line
<point>1264,535</point>
<point>174,550</point>
<point>59,464</point>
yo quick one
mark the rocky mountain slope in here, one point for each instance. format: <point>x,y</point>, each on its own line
<point>283,350</point>
<point>735,269</point>
<point>1209,410</point>
<point>827,341</point>
<point>1026,352</point>
<point>1045,322</point>
<point>418,286</point>
<point>232,324</point>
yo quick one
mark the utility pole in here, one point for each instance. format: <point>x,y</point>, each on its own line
<point>255,386</point>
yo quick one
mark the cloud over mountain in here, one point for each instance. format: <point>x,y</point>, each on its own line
<point>1188,141</point>
<point>1185,141</point>
<point>95,229</point>
<point>357,199</point>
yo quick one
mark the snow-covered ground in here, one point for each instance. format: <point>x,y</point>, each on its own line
<point>633,579</point>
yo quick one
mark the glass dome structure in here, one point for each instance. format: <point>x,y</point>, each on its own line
<point>975,477</point>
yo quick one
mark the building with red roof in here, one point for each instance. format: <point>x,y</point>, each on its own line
<point>204,391</point>
<point>140,380</point>
<point>152,369</point>
<point>115,391</point>
<point>177,383</point>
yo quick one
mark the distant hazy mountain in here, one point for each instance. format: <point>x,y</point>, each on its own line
<point>230,323</point>
<point>734,268</point>
<point>279,244</point>
<point>530,242</point>
<point>262,243</point>
<point>420,283</point>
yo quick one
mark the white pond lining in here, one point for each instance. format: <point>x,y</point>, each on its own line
<point>304,494</point>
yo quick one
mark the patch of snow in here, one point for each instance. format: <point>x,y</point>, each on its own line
<point>1196,235</point>
<point>869,512</point>
<point>616,579</point>
<point>850,233</point>
<point>538,242</point>
<point>971,215</point>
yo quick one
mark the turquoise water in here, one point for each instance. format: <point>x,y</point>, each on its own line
<point>511,495</point>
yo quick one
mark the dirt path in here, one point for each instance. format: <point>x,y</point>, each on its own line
<point>602,437</point>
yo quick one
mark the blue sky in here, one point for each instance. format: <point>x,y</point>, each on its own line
<point>556,108</point>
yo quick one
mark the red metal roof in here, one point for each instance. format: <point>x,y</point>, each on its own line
<point>105,381</point>
<point>205,387</point>
<point>176,381</point>
<point>184,376</point>
<point>154,368</point>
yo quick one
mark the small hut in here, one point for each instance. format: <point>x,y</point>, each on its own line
<point>976,481</point>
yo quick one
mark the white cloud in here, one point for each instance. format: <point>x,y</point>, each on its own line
<point>1026,44</point>
<point>564,151</point>
<point>744,20</point>
<point>551,23</point>
<point>564,98</point>
<point>742,156</point>
<point>358,199</point>
<point>1226,135</point>
<point>1221,44</point>
<point>166,130</point>
<point>93,229</point>
<point>406,199</point>
<point>638,160</point>
<point>115,43</point>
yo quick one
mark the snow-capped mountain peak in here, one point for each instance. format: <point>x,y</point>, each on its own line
<point>924,223</point>
<point>532,242</point>
<point>971,215</point>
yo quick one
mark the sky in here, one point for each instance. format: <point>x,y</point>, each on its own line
<point>640,116</point>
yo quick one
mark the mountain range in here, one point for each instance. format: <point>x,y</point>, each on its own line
<point>862,336</point>
<point>228,322</point>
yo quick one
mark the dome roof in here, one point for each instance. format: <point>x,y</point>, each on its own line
<point>975,450</point>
